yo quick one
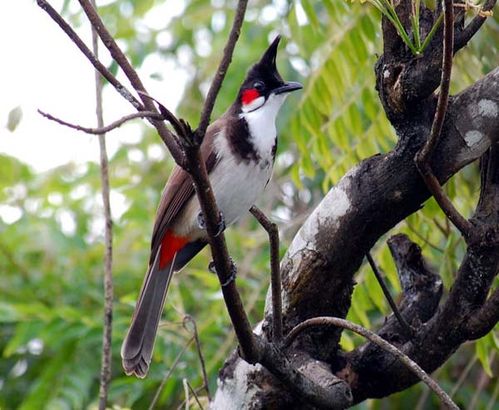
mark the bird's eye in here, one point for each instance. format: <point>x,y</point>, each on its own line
<point>259,86</point>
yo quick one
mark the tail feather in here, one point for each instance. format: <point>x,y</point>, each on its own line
<point>137,347</point>
<point>136,351</point>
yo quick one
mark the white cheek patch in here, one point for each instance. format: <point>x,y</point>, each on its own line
<point>253,105</point>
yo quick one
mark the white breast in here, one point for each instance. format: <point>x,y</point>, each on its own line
<point>238,183</point>
<point>261,124</point>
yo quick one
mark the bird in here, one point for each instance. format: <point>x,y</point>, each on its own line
<point>239,151</point>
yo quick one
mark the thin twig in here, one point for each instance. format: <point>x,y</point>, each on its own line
<point>196,391</point>
<point>406,328</point>
<point>194,394</point>
<point>275,271</point>
<point>222,68</point>
<point>424,155</point>
<point>107,128</point>
<point>169,373</point>
<point>325,321</point>
<point>132,75</point>
<point>101,68</point>
<point>472,28</point>
<point>105,374</point>
<point>188,318</point>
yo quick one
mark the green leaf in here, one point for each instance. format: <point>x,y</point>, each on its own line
<point>483,349</point>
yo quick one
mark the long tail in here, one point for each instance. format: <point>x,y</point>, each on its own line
<point>137,347</point>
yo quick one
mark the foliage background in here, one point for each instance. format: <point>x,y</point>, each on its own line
<point>51,257</point>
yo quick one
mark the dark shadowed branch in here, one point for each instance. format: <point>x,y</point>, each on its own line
<point>484,318</point>
<point>374,338</point>
<point>472,28</point>
<point>405,326</point>
<point>423,157</point>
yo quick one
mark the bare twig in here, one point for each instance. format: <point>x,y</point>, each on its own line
<point>325,321</point>
<point>275,271</point>
<point>124,92</point>
<point>132,75</point>
<point>194,394</point>
<point>188,318</point>
<point>222,68</point>
<point>423,157</point>
<point>406,328</point>
<point>107,128</point>
<point>105,374</point>
<point>472,28</point>
<point>169,373</point>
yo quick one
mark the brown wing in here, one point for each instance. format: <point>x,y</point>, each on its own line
<point>179,189</point>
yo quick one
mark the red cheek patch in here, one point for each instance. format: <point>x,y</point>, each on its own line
<point>249,96</point>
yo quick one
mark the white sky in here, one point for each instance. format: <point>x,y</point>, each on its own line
<point>41,68</point>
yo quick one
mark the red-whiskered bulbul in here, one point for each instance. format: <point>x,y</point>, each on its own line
<point>239,150</point>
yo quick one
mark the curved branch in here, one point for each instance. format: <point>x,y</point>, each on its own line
<point>423,157</point>
<point>374,338</point>
<point>485,318</point>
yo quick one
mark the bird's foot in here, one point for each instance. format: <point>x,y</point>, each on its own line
<point>233,272</point>
<point>221,223</point>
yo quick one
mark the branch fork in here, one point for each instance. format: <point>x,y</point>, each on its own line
<point>184,147</point>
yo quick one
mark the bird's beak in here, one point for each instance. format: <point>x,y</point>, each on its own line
<point>287,87</point>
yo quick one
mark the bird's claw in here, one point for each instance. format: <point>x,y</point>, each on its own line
<point>233,272</point>
<point>221,223</point>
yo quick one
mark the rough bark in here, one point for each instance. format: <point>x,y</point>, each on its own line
<point>319,267</point>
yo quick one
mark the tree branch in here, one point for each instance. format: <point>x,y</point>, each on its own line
<point>169,373</point>
<point>105,374</point>
<point>206,385</point>
<point>275,272</point>
<point>423,157</point>
<point>485,318</point>
<point>472,28</point>
<point>374,338</point>
<point>222,68</point>
<point>107,128</point>
<point>101,68</point>
<point>403,324</point>
<point>133,77</point>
